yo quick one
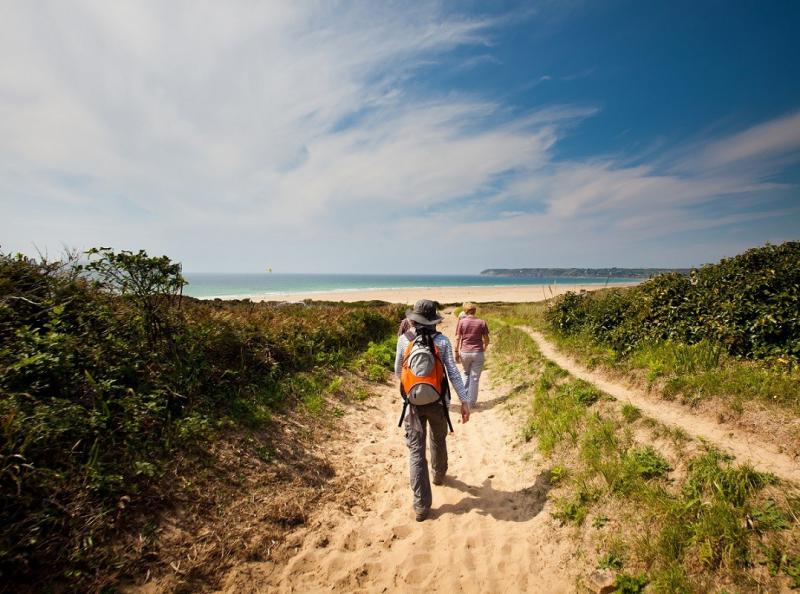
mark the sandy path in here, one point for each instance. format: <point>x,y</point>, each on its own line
<point>487,531</point>
<point>743,446</point>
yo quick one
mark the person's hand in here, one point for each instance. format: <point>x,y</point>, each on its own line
<point>464,412</point>
<point>458,357</point>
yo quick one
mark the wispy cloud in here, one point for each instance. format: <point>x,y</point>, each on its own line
<point>479,60</point>
<point>643,200</point>
<point>208,129</point>
<point>763,145</point>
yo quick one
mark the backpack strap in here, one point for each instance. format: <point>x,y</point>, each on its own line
<point>405,406</point>
<point>410,336</point>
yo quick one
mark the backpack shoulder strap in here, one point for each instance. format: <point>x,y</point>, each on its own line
<point>436,346</point>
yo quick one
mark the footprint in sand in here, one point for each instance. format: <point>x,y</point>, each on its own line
<point>421,559</point>
<point>416,576</point>
<point>469,560</point>
<point>351,541</point>
<point>401,531</point>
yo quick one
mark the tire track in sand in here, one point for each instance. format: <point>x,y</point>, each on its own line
<point>743,446</point>
<point>489,528</point>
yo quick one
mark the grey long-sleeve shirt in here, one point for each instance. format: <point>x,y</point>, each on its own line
<point>446,352</point>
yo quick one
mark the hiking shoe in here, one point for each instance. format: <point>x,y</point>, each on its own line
<point>438,479</point>
<point>421,513</point>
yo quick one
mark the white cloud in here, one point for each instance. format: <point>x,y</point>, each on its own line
<point>207,129</point>
<point>776,138</point>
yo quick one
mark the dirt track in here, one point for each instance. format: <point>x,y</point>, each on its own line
<point>743,446</point>
<point>488,530</point>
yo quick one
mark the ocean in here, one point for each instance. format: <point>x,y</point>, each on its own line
<point>213,284</point>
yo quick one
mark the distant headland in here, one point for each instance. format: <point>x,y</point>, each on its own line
<point>580,272</point>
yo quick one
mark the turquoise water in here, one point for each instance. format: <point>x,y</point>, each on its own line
<point>212,284</point>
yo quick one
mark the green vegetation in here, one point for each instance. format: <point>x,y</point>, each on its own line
<point>708,525</point>
<point>527,359</point>
<point>630,412</point>
<point>630,584</point>
<point>377,359</point>
<point>747,306</point>
<point>610,561</point>
<point>108,375</point>
<point>729,330</point>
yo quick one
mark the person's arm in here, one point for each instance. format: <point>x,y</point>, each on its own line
<point>445,350</point>
<point>402,343</point>
<point>459,336</point>
<point>485,336</point>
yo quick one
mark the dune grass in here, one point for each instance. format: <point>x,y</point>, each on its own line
<point>720,525</point>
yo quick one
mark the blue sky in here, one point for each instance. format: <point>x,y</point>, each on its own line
<point>361,137</point>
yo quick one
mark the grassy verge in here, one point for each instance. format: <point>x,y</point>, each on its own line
<point>661,512</point>
<point>690,373</point>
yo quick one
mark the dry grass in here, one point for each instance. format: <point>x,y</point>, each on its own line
<point>241,501</point>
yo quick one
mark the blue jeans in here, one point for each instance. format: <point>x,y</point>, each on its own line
<point>473,365</point>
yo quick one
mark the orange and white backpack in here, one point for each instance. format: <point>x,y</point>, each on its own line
<point>423,379</point>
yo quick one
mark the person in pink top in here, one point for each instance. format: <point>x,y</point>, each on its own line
<point>472,340</point>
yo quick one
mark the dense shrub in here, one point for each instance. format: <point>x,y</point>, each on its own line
<point>106,372</point>
<point>750,304</point>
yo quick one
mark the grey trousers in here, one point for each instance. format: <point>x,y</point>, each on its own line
<point>433,415</point>
<point>473,366</point>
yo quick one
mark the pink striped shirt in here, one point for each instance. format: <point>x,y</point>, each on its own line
<point>471,330</point>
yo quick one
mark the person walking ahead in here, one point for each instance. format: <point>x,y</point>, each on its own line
<point>472,340</point>
<point>423,362</point>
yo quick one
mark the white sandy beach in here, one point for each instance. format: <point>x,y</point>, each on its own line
<point>509,294</point>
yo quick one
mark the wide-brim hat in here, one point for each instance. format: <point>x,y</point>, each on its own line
<point>424,313</point>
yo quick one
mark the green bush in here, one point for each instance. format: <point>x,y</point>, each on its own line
<point>574,509</point>
<point>630,584</point>
<point>646,463</point>
<point>107,372</point>
<point>749,305</point>
<point>378,360</point>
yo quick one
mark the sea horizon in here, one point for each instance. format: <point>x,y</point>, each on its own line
<point>228,285</point>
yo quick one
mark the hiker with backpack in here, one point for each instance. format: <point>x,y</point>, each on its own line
<point>424,362</point>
